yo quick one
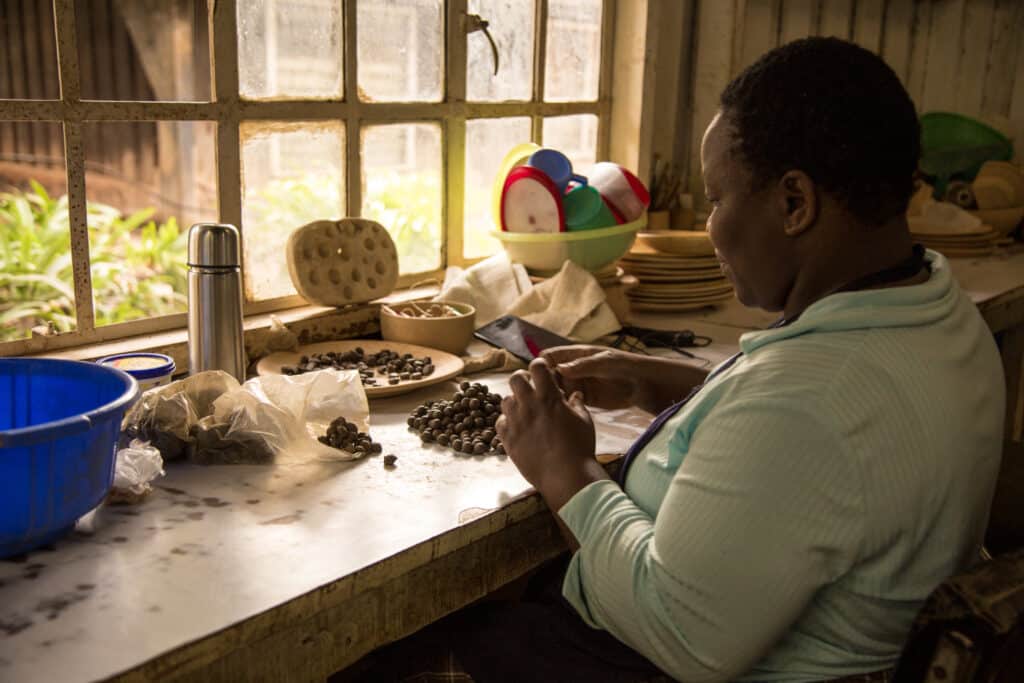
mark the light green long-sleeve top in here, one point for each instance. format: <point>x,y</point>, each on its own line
<point>788,523</point>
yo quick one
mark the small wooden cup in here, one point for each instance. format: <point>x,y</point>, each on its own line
<point>411,323</point>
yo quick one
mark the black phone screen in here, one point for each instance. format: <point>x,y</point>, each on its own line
<point>523,340</point>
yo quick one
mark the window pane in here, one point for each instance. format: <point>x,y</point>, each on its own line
<point>402,190</point>
<point>292,174</point>
<point>290,48</point>
<point>28,50</point>
<point>401,50</point>
<point>512,27</point>
<point>36,283</point>
<point>573,57</point>
<point>146,183</point>
<point>143,50</point>
<point>575,137</point>
<point>487,143</point>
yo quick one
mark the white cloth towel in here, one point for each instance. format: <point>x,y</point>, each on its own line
<point>571,304</point>
<point>490,286</point>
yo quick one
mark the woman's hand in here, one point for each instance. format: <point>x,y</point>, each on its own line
<point>609,378</point>
<point>549,437</point>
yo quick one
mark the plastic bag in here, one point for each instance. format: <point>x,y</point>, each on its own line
<point>164,416</point>
<point>209,418</point>
<point>277,337</point>
<point>288,412</point>
<point>134,467</point>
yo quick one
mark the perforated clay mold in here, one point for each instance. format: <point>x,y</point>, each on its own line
<point>333,263</point>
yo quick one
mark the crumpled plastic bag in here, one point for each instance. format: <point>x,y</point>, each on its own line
<point>287,413</point>
<point>134,467</point>
<point>209,418</point>
<point>165,415</point>
<point>277,337</point>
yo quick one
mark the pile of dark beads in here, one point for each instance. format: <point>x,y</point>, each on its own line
<point>345,436</point>
<point>465,423</point>
<point>385,362</point>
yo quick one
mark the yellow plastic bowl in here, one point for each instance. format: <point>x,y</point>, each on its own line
<point>544,253</point>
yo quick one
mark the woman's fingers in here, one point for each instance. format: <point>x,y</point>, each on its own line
<point>519,383</point>
<point>597,365</point>
<point>508,405</point>
<point>544,381</point>
<point>564,354</point>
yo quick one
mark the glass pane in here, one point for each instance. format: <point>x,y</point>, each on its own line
<point>290,48</point>
<point>36,283</point>
<point>143,50</point>
<point>28,50</point>
<point>512,27</point>
<point>487,143</point>
<point>292,174</point>
<point>145,183</point>
<point>401,50</point>
<point>573,56</point>
<point>575,137</point>
<point>402,190</point>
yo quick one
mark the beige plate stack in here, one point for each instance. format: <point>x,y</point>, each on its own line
<point>677,271</point>
<point>980,240</point>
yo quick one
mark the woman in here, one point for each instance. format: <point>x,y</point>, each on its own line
<point>787,522</point>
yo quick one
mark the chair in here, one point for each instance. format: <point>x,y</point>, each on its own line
<point>971,628</point>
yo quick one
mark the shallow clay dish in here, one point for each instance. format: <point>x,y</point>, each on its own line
<point>446,365</point>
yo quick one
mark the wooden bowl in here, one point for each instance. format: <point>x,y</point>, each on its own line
<point>443,325</point>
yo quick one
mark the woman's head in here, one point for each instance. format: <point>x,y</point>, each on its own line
<point>818,128</point>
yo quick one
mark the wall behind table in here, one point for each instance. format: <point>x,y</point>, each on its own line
<point>963,56</point>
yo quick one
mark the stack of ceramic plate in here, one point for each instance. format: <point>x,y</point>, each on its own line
<point>609,276</point>
<point>677,271</point>
<point>979,240</point>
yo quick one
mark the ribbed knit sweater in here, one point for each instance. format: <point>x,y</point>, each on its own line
<point>788,523</point>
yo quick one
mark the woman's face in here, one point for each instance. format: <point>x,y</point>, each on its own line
<point>746,225</point>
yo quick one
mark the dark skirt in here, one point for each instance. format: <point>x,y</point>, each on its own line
<point>538,637</point>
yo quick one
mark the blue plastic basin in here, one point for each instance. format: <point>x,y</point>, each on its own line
<point>59,424</point>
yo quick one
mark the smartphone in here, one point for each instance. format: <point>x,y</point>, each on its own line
<point>523,340</point>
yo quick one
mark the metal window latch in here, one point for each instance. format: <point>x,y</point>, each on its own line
<point>474,23</point>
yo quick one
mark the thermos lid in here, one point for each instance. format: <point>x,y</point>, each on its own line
<point>213,245</point>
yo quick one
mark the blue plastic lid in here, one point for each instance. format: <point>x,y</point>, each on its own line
<point>141,365</point>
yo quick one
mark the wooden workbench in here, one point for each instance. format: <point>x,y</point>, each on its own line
<point>263,573</point>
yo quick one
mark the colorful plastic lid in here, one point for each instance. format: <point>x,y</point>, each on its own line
<point>517,156</point>
<point>530,202</point>
<point>141,365</point>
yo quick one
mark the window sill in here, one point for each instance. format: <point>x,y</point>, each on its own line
<point>311,324</point>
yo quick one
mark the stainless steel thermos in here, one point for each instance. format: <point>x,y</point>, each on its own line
<point>215,300</point>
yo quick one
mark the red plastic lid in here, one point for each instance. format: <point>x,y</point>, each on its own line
<point>528,173</point>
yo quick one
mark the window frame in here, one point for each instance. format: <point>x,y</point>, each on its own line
<point>228,110</point>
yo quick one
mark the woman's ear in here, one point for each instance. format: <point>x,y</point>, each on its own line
<point>798,200</point>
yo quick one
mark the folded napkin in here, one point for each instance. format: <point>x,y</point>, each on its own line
<point>490,286</point>
<point>571,304</point>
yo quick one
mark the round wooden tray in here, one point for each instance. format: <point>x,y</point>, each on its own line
<point>446,365</point>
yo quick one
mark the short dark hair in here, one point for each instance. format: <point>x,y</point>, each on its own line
<point>835,111</point>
